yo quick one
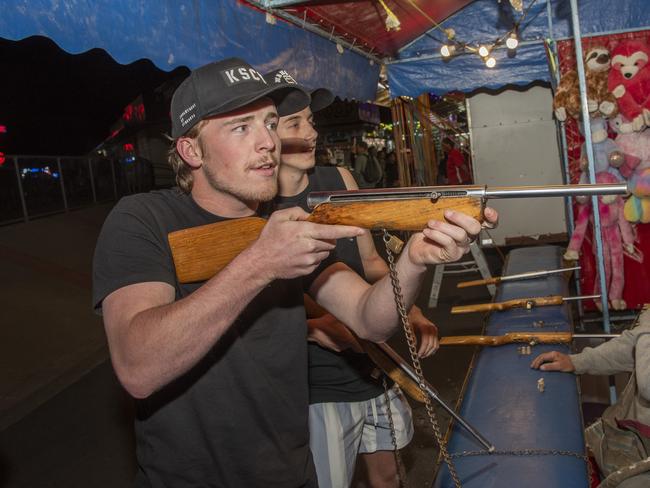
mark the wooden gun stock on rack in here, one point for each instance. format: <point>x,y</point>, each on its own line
<point>527,303</point>
<point>531,338</point>
<point>201,252</point>
<point>516,277</point>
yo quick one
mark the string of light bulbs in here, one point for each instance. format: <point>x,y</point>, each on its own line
<point>510,39</point>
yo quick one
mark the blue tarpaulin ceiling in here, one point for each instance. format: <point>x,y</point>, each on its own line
<point>172,33</point>
<point>420,68</point>
<point>190,33</point>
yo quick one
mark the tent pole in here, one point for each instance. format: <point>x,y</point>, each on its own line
<point>590,157</point>
<point>564,152</point>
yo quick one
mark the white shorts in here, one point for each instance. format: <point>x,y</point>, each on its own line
<point>339,431</point>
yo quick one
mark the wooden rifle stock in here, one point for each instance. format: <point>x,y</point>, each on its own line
<point>376,354</point>
<point>509,338</point>
<point>527,303</point>
<point>487,281</point>
<point>201,252</point>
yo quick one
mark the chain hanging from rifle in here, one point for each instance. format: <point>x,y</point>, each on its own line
<point>410,339</point>
<point>401,472</point>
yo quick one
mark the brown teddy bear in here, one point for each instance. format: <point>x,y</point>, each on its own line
<point>600,102</point>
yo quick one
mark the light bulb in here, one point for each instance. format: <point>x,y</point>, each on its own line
<point>490,62</point>
<point>483,51</point>
<point>447,50</point>
<point>512,42</point>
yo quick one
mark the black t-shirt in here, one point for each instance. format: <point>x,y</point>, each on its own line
<point>238,418</point>
<point>335,376</point>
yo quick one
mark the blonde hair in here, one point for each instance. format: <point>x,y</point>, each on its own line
<point>182,170</point>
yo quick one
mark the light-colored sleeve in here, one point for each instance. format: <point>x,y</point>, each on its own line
<point>612,357</point>
<point>642,358</point>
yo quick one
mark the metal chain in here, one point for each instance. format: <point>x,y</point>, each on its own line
<point>401,472</point>
<point>410,339</point>
<point>529,452</point>
<point>522,452</point>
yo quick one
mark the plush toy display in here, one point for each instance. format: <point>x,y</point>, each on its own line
<point>601,103</point>
<point>636,168</point>
<point>634,145</point>
<point>629,81</point>
<point>616,233</point>
<point>607,155</point>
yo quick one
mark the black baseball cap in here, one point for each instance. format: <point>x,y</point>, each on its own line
<point>319,98</point>
<point>223,86</point>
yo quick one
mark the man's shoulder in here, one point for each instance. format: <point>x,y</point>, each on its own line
<point>167,198</point>
<point>157,204</point>
<point>326,178</point>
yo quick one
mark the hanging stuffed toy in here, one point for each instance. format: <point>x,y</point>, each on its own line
<point>636,167</point>
<point>616,233</point>
<point>600,102</point>
<point>629,81</point>
<point>607,155</point>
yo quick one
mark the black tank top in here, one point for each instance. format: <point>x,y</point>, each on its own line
<point>334,376</point>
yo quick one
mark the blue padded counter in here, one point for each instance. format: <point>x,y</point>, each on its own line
<point>502,400</point>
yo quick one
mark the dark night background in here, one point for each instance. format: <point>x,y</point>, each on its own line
<point>55,103</point>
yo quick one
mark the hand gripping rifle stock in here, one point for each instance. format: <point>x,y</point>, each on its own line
<point>201,252</point>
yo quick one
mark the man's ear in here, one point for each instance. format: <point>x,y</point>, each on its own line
<point>189,150</point>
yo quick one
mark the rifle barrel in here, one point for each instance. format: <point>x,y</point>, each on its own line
<point>595,336</point>
<point>536,274</point>
<point>556,190</point>
<point>582,297</point>
<point>435,192</point>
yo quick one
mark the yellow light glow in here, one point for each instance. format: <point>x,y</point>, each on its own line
<point>483,51</point>
<point>512,42</point>
<point>490,62</point>
<point>447,51</point>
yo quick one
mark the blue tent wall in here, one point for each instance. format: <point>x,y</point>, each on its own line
<point>420,68</point>
<point>174,33</point>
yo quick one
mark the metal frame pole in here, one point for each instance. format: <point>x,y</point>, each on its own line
<point>92,179</point>
<point>112,163</point>
<point>65,199</point>
<point>20,190</point>
<point>564,155</point>
<point>590,157</point>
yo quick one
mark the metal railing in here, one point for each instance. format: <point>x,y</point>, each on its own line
<point>35,186</point>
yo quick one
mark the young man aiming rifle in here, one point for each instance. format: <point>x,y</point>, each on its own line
<point>219,368</point>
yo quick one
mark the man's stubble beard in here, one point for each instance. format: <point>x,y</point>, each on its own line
<point>246,194</point>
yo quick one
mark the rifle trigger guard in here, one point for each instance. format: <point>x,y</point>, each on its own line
<point>435,196</point>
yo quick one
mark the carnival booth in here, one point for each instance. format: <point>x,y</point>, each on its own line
<point>532,419</point>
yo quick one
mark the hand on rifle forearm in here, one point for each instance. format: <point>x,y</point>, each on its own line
<point>289,247</point>
<point>328,332</point>
<point>426,331</point>
<point>445,242</point>
<point>553,361</point>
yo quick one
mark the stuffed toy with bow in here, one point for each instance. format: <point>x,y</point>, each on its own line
<point>616,233</point>
<point>635,146</point>
<point>600,102</point>
<point>629,81</point>
<point>608,157</point>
